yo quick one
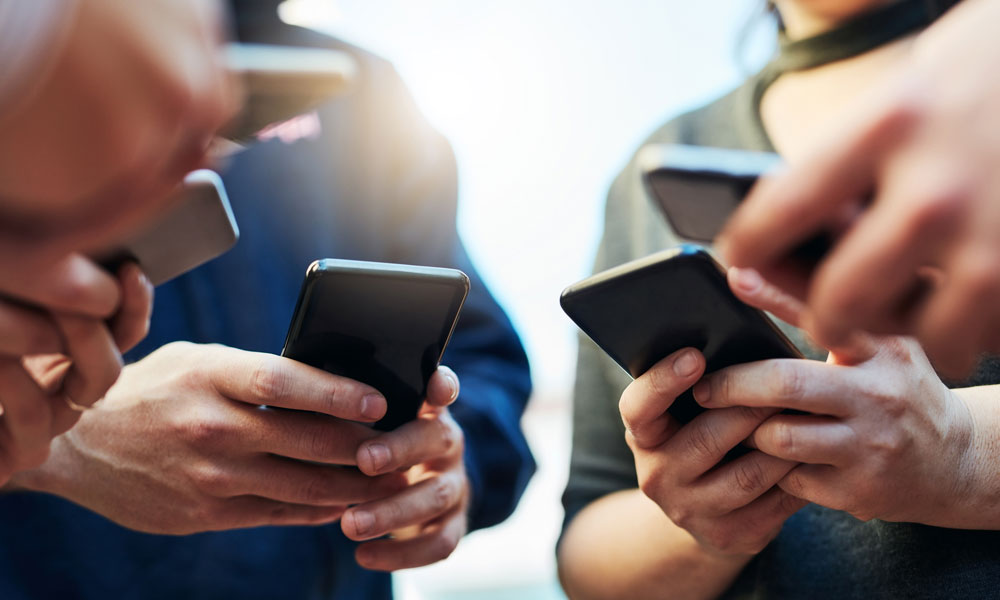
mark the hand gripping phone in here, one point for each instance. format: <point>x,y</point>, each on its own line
<point>647,309</point>
<point>382,324</point>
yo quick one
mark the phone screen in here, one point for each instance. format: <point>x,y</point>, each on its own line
<point>645,310</point>
<point>384,325</point>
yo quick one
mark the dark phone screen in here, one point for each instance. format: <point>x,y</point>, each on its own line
<point>698,204</point>
<point>645,310</point>
<point>386,328</point>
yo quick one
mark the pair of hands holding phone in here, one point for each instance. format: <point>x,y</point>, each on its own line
<point>883,438</point>
<point>184,443</point>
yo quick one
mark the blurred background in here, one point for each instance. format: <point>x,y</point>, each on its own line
<point>544,102</point>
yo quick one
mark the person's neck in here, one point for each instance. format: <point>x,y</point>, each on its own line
<point>802,21</point>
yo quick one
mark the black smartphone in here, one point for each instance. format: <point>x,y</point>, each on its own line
<point>698,187</point>
<point>385,325</point>
<point>198,226</point>
<point>646,309</point>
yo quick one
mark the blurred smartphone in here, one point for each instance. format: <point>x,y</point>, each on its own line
<point>698,187</point>
<point>386,325</point>
<point>198,226</point>
<point>644,310</point>
<point>282,82</point>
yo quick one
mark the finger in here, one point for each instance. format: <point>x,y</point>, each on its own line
<point>955,324</point>
<point>265,379</point>
<point>251,511</point>
<point>806,439</point>
<point>769,512</point>
<point>27,416</point>
<point>131,323</point>
<point>644,402</point>
<point>443,387</point>
<point>418,504</point>
<point>434,545</point>
<point>872,273</point>
<point>96,360</point>
<point>296,482</point>
<point>787,209</point>
<point>741,481</point>
<point>751,288</point>
<point>806,385</point>
<point>812,483</point>
<point>426,438</point>
<point>304,436</point>
<point>704,442</point>
<point>73,284</point>
<point>25,331</point>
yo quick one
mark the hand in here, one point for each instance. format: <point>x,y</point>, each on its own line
<point>884,438</point>
<point>729,508</point>
<point>128,104</point>
<point>427,519</point>
<point>927,145</point>
<point>50,360</point>
<point>183,444</point>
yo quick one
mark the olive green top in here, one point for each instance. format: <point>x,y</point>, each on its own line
<point>820,553</point>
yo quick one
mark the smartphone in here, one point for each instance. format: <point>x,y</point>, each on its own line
<point>644,310</point>
<point>386,325</point>
<point>698,187</point>
<point>198,226</point>
<point>282,82</point>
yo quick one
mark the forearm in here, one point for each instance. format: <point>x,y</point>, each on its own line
<point>623,546</point>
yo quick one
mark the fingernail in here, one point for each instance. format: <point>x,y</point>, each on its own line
<point>373,406</point>
<point>748,280</point>
<point>702,392</point>
<point>364,522</point>
<point>452,384</point>
<point>685,364</point>
<point>379,455</point>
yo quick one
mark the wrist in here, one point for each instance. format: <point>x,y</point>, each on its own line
<point>971,502</point>
<point>49,477</point>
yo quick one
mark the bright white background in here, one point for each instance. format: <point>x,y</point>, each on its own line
<point>544,101</point>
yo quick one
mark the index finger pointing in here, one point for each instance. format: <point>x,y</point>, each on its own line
<point>270,380</point>
<point>788,209</point>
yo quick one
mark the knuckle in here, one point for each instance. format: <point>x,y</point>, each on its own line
<point>703,442</point>
<point>313,491</point>
<point>319,443</point>
<point>446,434</point>
<point>444,494</point>
<point>784,439</point>
<point>202,429</point>
<point>788,380</point>
<point>794,485</point>
<point>749,477</point>
<point>211,479</point>
<point>661,382</point>
<point>268,381</point>
<point>443,546</point>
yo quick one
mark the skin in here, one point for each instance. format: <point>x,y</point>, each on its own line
<point>122,109</point>
<point>52,352</point>
<point>123,106</point>
<point>924,138</point>
<point>182,445</point>
<point>887,440</point>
